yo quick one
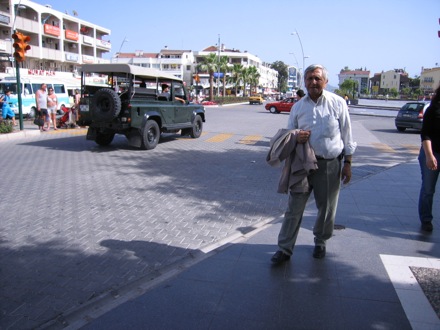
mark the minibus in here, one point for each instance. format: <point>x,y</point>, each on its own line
<point>29,87</point>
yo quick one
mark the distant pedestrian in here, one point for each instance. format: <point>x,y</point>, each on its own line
<point>321,119</point>
<point>41,102</point>
<point>7,112</point>
<point>429,160</point>
<point>347,99</point>
<point>74,110</point>
<point>52,107</point>
<point>299,94</point>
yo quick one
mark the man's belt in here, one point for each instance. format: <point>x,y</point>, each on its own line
<point>322,158</point>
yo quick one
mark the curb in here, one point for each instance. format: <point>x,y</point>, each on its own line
<point>19,135</point>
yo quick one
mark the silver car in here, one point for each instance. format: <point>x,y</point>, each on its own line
<point>411,115</point>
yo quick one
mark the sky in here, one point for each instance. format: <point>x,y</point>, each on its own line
<point>376,35</point>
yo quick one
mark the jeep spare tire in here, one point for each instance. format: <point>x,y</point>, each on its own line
<point>106,105</point>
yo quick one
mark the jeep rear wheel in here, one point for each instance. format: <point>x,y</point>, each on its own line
<point>197,128</point>
<point>150,135</point>
<point>104,139</point>
<point>106,104</point>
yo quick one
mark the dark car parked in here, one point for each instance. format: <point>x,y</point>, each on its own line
<point>411,115</point>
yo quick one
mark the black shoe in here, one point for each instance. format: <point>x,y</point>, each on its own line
<point>319,252</point>
<point>427,226</point>
<point>279,257</point>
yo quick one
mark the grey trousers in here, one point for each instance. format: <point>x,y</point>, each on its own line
<point>325,184</point>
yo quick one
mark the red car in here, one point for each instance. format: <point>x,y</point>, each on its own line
<point>280,106</point>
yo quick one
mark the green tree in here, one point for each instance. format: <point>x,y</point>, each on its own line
<point>224,67</point>
<point>254,77</point>
<point>210,64</point>
<point>414,84</point>
<point>236,76</point>
<point>283,74</point>
<point>348,87</point>
<point>394,92</point>
<point>245,74</point>
<point>406,91</point>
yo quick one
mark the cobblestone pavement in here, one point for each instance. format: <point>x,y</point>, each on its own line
<point>80,222</point>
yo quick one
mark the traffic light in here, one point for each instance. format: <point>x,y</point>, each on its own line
<point>20,46</point>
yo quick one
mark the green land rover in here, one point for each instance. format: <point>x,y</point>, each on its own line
<point>137,102</point>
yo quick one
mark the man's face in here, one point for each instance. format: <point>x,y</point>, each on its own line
<point>315,83</point>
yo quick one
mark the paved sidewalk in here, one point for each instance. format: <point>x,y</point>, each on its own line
<point>366,281</point>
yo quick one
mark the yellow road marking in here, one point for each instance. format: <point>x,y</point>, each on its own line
<point>220,137</point>
<point>73,131</point>
<point>384,147</point>
<point>412,148</point>
<point>250,139</point>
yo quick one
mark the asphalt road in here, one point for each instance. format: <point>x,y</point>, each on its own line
<point>82,223</point>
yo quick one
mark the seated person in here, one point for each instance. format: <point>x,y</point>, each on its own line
<point>7,112</point>
<point>166,95</point>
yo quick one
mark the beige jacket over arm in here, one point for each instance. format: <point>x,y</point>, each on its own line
<point>299,159</point>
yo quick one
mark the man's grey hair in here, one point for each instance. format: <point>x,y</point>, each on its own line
<point>313,67</point>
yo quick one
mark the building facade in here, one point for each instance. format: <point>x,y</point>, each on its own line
<point>60,42</point>
<point>180,63</point>
<point>429,80</point>
<point>268,81</point>
<point>383,82</point>
<point>293,78</point>
<point>184,64</point>
<point>361,77</point>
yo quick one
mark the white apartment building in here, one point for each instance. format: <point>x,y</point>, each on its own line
<point>183,64</point>
<point>268,81</point>
<point>361,77</point>
<point>180,63</point>
<point>293,78</point>
<point>60,42</point>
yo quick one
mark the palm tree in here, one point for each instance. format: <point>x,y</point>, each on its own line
<point>254,77</point>
<point>210,64</point>
<point>245,77</point>
<point>224,67</point>
<point>236,76</point>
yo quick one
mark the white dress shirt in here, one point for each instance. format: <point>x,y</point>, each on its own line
<point>329,123</point>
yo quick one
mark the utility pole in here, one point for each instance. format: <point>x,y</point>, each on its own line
<point>218,66</point>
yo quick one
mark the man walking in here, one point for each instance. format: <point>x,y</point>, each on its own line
<point>41,102</point>
<point>322,119</point>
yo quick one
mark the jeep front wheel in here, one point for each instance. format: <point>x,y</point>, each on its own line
<point>106,104</point>
<point>104,139</point>
<point>150,135</point>
<point>197,128</point>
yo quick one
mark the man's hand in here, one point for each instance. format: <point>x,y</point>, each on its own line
<point>346,173</point>
<point>302,136</point>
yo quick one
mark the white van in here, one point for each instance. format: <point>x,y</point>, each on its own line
<point>28,89</point>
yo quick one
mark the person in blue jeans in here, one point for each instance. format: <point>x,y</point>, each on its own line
<point>7,112</point>
<point>429,159</point>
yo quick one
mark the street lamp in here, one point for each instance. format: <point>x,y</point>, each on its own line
<point>120,48</point>
<point>302,51</point>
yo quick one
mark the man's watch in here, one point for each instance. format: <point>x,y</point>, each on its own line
<point>347,162</point>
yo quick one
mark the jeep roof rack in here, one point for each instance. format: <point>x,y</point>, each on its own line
<point>127,68</point>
